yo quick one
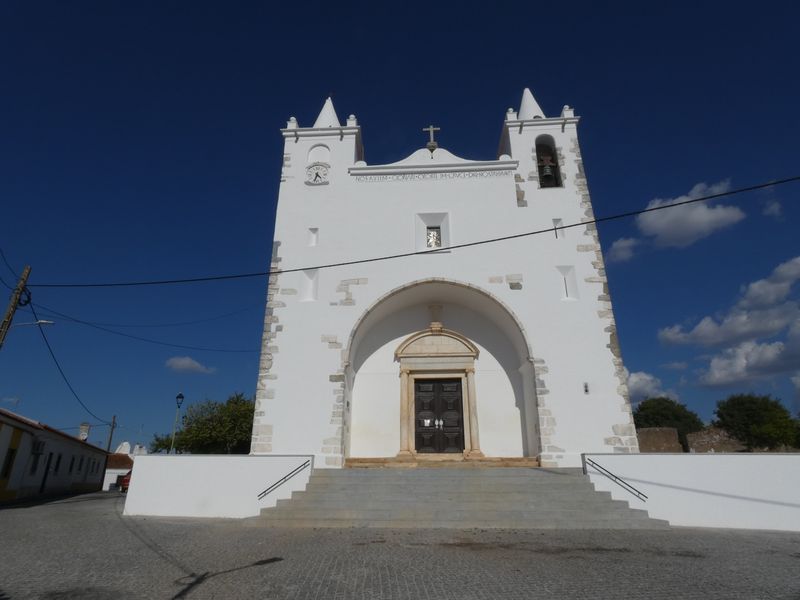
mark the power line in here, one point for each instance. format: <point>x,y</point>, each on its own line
<point>419,252</point>
<point>60,370</point>
<point>159,325</point>
<point>3,281</point>
<point>13,272</point>
<point>141,339</point>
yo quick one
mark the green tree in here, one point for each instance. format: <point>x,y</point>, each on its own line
<point>212,428</point>
<point>756,421</point>
<point>666,412</point>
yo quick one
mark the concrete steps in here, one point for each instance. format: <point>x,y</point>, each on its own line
<point>433,461</point>
<point>455,498</point>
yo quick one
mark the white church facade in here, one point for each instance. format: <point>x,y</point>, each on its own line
<point>504,349</point>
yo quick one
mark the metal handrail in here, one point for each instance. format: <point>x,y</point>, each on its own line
<point>283,479</point>
<point>616,479</point>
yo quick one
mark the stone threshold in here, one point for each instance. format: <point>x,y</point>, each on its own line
<point>438,461</point>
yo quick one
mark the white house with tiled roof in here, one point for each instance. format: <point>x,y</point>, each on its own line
<point>38,460</point>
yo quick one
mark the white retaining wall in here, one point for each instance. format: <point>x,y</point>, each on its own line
<point>210,485</point>
<point>742,491</point>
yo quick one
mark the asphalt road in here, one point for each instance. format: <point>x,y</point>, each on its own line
<point>82,547</point>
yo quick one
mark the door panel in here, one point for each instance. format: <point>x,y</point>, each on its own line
<point>439,419</point>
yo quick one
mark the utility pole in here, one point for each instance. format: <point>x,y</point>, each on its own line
<point>111,433</point>
<point>14,302</point>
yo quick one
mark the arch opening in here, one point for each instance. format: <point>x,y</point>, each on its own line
<point>547,162</point>
<point>412,335</point>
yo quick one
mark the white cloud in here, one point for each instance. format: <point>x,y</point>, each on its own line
<point>643,385</point>
<point>773,289</point>
<point>676,366</point>
<point>773,208</point>
<point>796,382</point>
<point>745,362</point>
<point>761,311</point>
<point>10,400</point>
<point>682,226</point>
<point>738,325</point>
<point>186,364</point>
<point>622,250</point>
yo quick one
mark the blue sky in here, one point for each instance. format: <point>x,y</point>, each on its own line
<point>140,141</point>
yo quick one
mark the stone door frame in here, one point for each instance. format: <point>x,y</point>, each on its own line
<point>437,353</point>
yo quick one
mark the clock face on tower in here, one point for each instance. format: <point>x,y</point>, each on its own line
<point>317,173</point>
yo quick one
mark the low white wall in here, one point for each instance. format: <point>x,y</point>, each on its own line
<point>210,485</point>
<point>110,477</point>
<point>742,491</point>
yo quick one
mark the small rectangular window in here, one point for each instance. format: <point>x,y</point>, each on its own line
<point>71,464</point>
<point>559,232</point>
<point>432,231</point>
<point>80,465</point>
<point>35,464</point>
<point>434,237</point>
<point>58,464</point>
<point>313,236</point>
<point>8,463</point>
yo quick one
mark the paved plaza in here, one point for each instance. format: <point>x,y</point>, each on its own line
<point>82,547</point>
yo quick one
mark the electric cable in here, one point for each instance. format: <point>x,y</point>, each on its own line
<point>61,371</point>
<point>260,305</point>
<point>420,252</point>
<point>3,281</point>
<point>13,272</point>
<point>144,339</point>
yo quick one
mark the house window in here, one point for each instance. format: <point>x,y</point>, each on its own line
<point>432,231</point>
<point>35,464</point>
<point>71,464</point>
<point>434,237</point>
<point>58,464</point>
<point>80,464</point>
<point>8,463</point>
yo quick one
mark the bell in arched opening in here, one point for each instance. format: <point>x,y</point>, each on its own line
<point>547,162</point>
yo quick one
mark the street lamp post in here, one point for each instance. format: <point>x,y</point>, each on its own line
<point>178,402</point>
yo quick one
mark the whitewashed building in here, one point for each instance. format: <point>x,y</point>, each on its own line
<point>505,349</point>
<point>38,460</point>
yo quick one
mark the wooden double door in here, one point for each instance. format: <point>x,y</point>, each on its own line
<point>438,416</point>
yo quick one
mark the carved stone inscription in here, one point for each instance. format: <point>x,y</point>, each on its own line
<point>426,176</point>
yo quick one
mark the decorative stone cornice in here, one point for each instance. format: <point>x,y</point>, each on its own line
<point>310,132</point>
<point>520,125</point>
<point>427,164</point>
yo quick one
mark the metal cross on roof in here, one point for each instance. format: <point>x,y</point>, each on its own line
<point>431,145</point>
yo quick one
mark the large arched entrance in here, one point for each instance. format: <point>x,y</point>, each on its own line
<point>439,367</point>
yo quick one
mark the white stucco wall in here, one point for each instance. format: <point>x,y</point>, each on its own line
<point>742,491</point>
<point>375,402</point>
<point>561,343</point>
<point>110,477</point>
<point>210,485</point>
<point>28,473</point>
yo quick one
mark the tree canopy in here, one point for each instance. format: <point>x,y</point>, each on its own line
<point>756,421</point>
<point>666,412</point>
<point>212,428</point>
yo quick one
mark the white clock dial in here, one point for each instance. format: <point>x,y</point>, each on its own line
<point>317,174</point>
